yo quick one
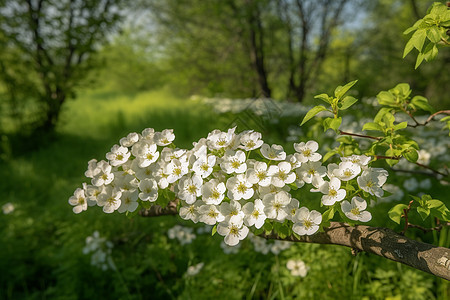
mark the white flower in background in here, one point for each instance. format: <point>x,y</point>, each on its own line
<point>190,188</point>
<point>411,184</point>
<point>203,166</point>
<point>425,184</point>
<point>274,205</point>
<point>167,154</point>
<point>274,152</point>
<point>195,269</point>
<point>164,138</point>
<point>101,251</point>
<point>356,210</point>
<point>103,175</point>
<point>332,191</point>
<point>279,246</point>
<point>372,179</point>
<point>424,157</point>
<point>145,154</point>
<point>297,267</point>
<point>308,170</point>
<point>118,155</point>
<point>306,222</point>
<point>129,140</point>
<point>176,169</point>
<point>258,174</point>
<point>234,162</point>
<point>292,208</point>
<point>397,193</point>
<point>184,235</point>
<point>78,201</point>
<point>361,160</point>
<point>239,188</point>
<point>233,230</point>
<point>347,170</point>
<point>250,140</point>
<point>110,199</point>
<point>209,214</point>
<point>230,249</point>
<point>190,211</point>
<point>233,208</point>
<point>217,139</point>
<point>281,174</point>
<point>8,208</point>
<point>128,201</point>
<point>149,190</point>
<point>254,214</point>
<point>307,151</point>
<point>213,192</point>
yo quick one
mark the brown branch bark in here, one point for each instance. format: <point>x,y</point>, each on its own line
<point>383,242</point>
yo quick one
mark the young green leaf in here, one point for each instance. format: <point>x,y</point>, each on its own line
<point>341,90</point>
<point>347,102</point>
<point>411,155</point>
<point>312,112</point>
<point>323,97</point>
<point>401,125</point>
<point>396,212</point>
<point>422,103</point>
<point>372,126</point>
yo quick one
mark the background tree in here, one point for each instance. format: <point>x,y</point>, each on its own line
<point>46,51</point>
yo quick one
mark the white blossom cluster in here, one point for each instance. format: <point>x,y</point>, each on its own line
<point>297,267</point>
<point>219,184</point>
<point>184,235</point>
<point>100,250</point>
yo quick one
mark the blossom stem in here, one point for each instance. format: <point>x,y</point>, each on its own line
<point>360,135</point>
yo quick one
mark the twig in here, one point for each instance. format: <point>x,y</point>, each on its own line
<point>360,135</point>
<point>424,229</point>
<point>405,215</point>
<point>429,118</point>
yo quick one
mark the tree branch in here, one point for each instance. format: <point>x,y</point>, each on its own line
<point>379,241</point>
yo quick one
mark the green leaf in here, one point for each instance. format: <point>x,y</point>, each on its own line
<point>341,90</point>
<point>328,214</point>
<point>214,230</point>
<point>409,46</point>
<point>335,123</point>
<point>423,212</point>
<point>379,116</point>
<point>430,52</point>
<point>434,35</point>
<point>329,154</point>
<point>439,210</point>
<point>386,98</point>
<point>396,212</point>
<point>347,102</point>
<point>418,39</point>
<point>422,103</point>
<point>401,125</point>
<point>312,112</point>
<point>419,60</point>
<point>411,155</point>
<point>323,97</point>
<point>372,126</point>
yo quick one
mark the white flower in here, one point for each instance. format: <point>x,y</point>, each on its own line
<point>233,230</point>
<point>125,182</point>
<point>213,192</point>
<point>92,169</point>
<point>274,152</point>
<point>8,208</point>
<point>103,175</point>
<point>128,201</point>
<point>361,160</point>
<point>254,213</point>
<point>297,267</point>
<point>149,190</point>
<point>347,170</point>
<point>176,169</point>
<point>274,205</point>
<point>110,199</point>
<point>164,138</point>
<point>190,211</point>
<point>194,270</point>
<point>306,222</point>
<point>281,174</point>
<point>424,157</point>
<point>129,140</point>
<point>411,184</point>
<point>148,134</point>
<point>271,189</point>
<point>239,188</point>
<point>332,191</point>
<point>292,208</point>
<point>258,174</point>
<point>209,214</point>
<point>167,154</point>
<point>118,155</point>
<point>145,153</point>
<point>92,193</point>
<point>308,170</point>
<point>250,140</point>
<point>371,180</point>
<point>78,200</point>
<point>356,210</point>
<point>190,188</point>
<point>307,152</point>
<point>203,166</point>
<point>217,139</point>
<point>234,162</point>
<point>160,173</point>
<point>292,159</point>
<point>425,184</point>
<point>231,209</point>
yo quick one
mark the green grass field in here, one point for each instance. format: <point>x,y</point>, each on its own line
<point>41,241</point>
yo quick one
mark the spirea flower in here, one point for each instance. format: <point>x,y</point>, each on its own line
<point>356,210</point>
<point>306,222</point>
<point>307,151</point>
<point>297,267</point>
<point>234,230</point>
<point>332,191</point>
<point>371,181</point>
<point>118,155</point>
<point>274,152</point>
<point>250,140</point>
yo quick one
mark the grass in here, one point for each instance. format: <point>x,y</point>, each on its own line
<point>42,240</point>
